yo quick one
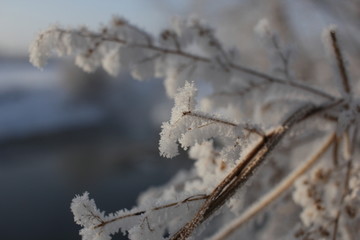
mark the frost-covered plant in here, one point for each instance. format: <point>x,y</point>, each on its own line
<point>249,119</point>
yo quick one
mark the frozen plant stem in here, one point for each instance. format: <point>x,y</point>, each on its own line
<point>275,193</point>
<point>245,169</point>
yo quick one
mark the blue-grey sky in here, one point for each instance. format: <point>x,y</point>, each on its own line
<point>20,20</point>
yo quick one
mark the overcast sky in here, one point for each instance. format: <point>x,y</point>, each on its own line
<point>20,20</point>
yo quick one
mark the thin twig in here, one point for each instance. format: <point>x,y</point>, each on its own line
<point>340,62</point>
<point>221,121</point>
<point>294,84</point>
<point>283,57</point>
<point>189,199</point>
<point>240,92</point>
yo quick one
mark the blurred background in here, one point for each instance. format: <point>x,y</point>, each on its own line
<point>63,131</point>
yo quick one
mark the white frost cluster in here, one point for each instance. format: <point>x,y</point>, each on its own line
<point>97,226</point>
<point>189,127</point>
<point>311,194</point>
<point>85,212</point>
<point>210,167</point>
<point>322,197</point>
<point>263,28</point>
<point>46,44</point>
<point>110,48</point>
<point>185,101</point>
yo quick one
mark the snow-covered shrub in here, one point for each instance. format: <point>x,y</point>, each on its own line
<point>258,139</point>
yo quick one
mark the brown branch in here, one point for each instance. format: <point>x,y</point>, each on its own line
<point>340,62</point>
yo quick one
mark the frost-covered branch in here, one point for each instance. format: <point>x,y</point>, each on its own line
<point>131,41</point>
<point>245,169</point>
<point>274,194</point>
<point>188,127</point>
<point>98,226</point>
